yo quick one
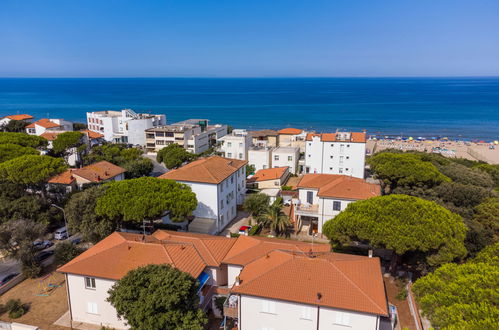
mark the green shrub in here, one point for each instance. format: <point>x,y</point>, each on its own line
<point>255,230</point>
<point>65,252</point>
<point>234,235</point>
<point>15,308</point>
<point>287,188</point>
<point>402,295</point>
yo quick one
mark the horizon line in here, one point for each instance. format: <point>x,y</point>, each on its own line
<point>254,77</point>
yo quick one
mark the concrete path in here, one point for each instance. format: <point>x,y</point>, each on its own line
<point>158,168</point>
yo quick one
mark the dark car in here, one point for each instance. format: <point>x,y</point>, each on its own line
<point>40,245</point>
<point>43,255</point>
<point>7,278</point>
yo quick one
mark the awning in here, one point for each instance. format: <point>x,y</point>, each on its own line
<point>203,278</point>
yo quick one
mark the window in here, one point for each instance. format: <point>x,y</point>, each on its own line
<point>342,148</point>
<point>348,157</point>
<point>276,157</point>
<point>290,158</point>
<point>229,144</point>
<point>348,146</point>
<point>264,166</point>
<point>277,183</point>
<point>240,145</point>
<point>336,206</point>
<point>229,154</point>
<point>340,170</point>
<point>342,318</point>
<point>222,187</point>
<point>309,144</point>
<point>92,308</point>
<point>89,282</point>
<point>331,157</point>
<point>222,218</point>
<point>306,313</point>
<point>330,168</point>
<point>310,197</point>
<point>231,179</point>
<point>222,204</point>
<point>309,155</point>
<point>240,156</point>
<point>268,306</point>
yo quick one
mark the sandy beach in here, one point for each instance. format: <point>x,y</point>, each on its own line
<point>459,149</point>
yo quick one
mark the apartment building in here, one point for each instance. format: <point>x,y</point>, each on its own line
<point>219,184</point>
<point>292,137</point>
<point>336,153</point>
<point>49,125</point>
<point>194,135</point>
<point>236,144</point>
<point>322,196</point>
<point>264,157</point>
<point>270,283</point>
<point>125,126</point>
<point>265,138</point>
<point>269,178</point>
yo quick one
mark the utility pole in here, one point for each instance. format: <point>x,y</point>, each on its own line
<point>64,214</point>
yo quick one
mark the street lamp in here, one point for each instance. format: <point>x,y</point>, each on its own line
<point>64,214</point>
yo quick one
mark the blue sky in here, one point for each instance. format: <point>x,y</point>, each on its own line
<point>253,38</point>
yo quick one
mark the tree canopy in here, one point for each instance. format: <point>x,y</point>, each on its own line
<point>401,223</point>
<point>462,296</point>
<point>66,140</point>
<point>465,175</point>
<point>146,198</point>
<point>173,156</point>
<point>10,151</point>
<point>158,297</point>
<point>23,139</point>
<point>256,204</point>
<point>82,218</point>
<point>31,169</point>
<point>15,126</point>
<point>405,169</point>
<point>275,218</point>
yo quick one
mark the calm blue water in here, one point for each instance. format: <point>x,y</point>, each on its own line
<point>453,107</point>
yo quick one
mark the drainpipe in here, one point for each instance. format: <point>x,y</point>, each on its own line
<point>318,313</point>
<point>69,303</point>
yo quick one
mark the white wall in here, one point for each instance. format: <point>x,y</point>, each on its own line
<point>206,195</point>
<point>233,271</point>
<point>260,158</point>
<point>235,146</point>
<point>80,296</point>
<point>286,157</point>
<point>296,316</point>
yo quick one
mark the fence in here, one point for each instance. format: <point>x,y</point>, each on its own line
<point>9,285</point>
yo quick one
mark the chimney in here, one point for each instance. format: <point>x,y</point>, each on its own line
<point>370,253</point>
<point>238,280</point>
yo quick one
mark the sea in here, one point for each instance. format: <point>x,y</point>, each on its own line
<point>457,108</point>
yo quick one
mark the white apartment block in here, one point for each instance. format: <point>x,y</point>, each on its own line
<point>323,196</point>
<point>219,184</point>
<point>336,153</point>
<point>271,283</point>
<point>49,125</point>
<point>194,135</point>
<point>236,144</point>
<point>125,126</point>
<point>292,137</point>
<point>264,157</point>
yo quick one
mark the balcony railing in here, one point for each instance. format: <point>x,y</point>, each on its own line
<point>230,307</point>
<point>307,209</point>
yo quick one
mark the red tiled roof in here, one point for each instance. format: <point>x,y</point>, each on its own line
<point>356,137</point>
<point>65,177</point>
<point>19,117</point>
<point>214,169</point>
<point>340,186</point>
<point>44,122</point>
<point>340,280</point>
<point>91,134</point>
<point>51,136</point>
<point>290,131</point>
<point>119,253</point>
<point>249,248</point>
<point>99,171</point>
<point>269,174</point>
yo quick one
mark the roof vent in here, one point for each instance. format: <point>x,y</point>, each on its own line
<point>319,296</point>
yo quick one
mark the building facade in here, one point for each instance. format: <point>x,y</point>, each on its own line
<point>235,145</point>
<point>49,125</point>
<point>292,137</point>
<point>336,153</point>
<point>286,156</point>
<point>125,126</point>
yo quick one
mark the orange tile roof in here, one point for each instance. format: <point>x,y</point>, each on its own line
<point>65,177</point>
<point>269,174</point>
<point>249,248</point>
<point>44,122</point>
<point>356,137</point>
<point>120,252</point>
<point>51,136</point>
<point>19,117</point>
<point>214,169</point>
<point>290,131</point>
<point>340,280</point>
<point>340,186</point>
<point>99,171</point>
<point>91,134</point>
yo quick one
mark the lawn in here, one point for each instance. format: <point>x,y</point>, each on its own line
<point>43,310</point>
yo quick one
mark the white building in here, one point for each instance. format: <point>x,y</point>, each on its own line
<point>236,144</point>
<point>336,153</point>
<point>271,283</point>
<point>49,125</point>
<point>219,184</point>
<point>322,196</point>
<point>264,157</point>
<point>125,126</point>
<point>194,135</point>
<point>259,157</point>
<point>292,137</point>
<point>7,119</point>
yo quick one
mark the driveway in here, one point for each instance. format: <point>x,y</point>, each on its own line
<point>158,168</point>
<point>8,266</point>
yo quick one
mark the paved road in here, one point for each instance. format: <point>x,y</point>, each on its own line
<point>8,266</point>
<point>158,168</point>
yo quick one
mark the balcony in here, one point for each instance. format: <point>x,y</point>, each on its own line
<point>307,209</point>
<point>230,307</point>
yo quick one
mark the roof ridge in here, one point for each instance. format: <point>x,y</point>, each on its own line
<point>270,269</point>
<point>168,255</point>
<point>354,284</point>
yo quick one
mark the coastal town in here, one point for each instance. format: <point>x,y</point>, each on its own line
<point>268,229</point>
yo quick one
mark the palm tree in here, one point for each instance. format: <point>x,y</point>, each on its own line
<point>273,217</point>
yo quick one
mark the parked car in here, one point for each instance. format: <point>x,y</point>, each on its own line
<point>43,255</point>
<point>61,233</point>
<point>40,245</point>
<point>7,278</point>
<point>76,240</point>
<point>244,230</point>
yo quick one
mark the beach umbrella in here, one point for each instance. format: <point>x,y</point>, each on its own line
<point>410,138</point>
<point>496,142</point>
